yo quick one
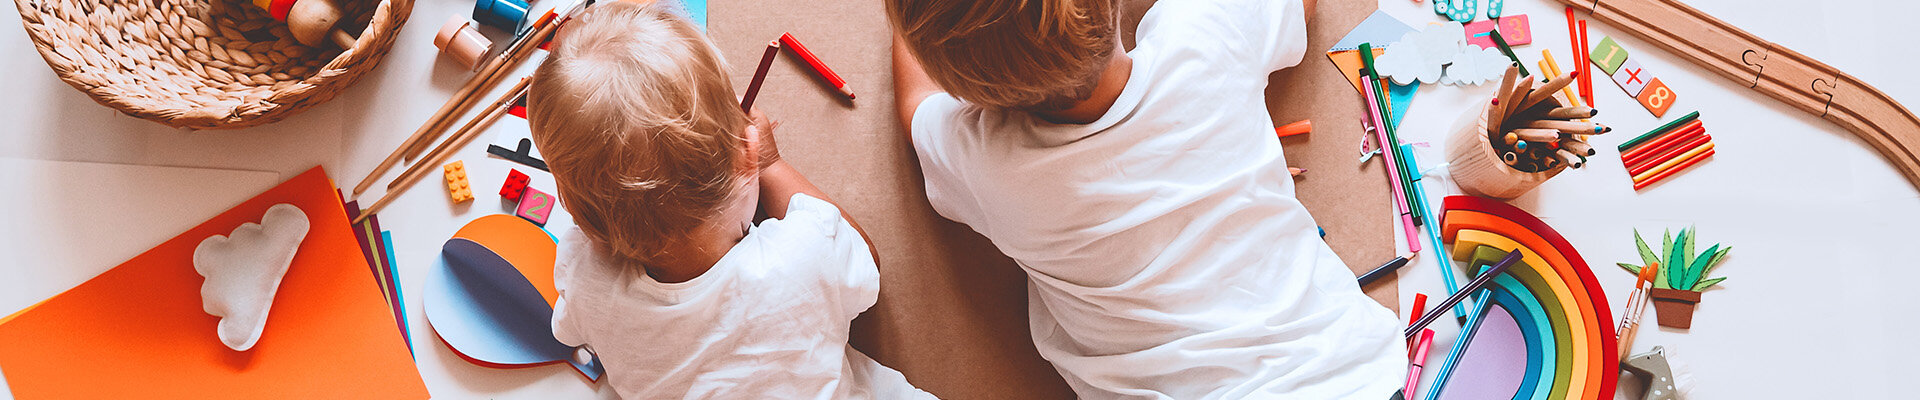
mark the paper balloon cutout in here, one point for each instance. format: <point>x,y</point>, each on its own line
<point>490,311</point>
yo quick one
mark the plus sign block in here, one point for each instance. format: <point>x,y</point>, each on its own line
<point>1632,78</point>
<point>516,183</point>
<point>457,188</point>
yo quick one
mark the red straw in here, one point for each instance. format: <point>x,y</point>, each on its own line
<point>1669,154</point>
<point>1663,175</point>
<point>818,67</point>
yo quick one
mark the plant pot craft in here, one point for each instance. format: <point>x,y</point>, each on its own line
<point>1676,292</point>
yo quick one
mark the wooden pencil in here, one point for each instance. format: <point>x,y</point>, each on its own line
<point>1670,171</point>
<point>1644,164</point>
<point>1663,167</point>
<point>1493,117</point>
<point>1546,57</point>
<point>1572,113</point>
<point>1568,157</point>
<point>1547,89</point>
<point>1578,128</point>
<point>1520,90</point>
<point>1578,147</point>
<point>759,75</point>
<point>439,154</point>
<point>1536,134</point>
<point>1500,98</point>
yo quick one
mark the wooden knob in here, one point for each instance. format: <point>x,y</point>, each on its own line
<point>312,23</point>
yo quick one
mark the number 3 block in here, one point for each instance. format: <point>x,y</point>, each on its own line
<point>1657,97</point>
<point>1512,28</point>
<point>535,206</point>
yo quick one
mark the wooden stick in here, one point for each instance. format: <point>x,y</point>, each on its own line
<point>1660,145</point>
<point>1546,89</point>
<point>1578,128</point>
<point>1663,167</point>
<point>1572,113</point>
<point>461,99</point>
<point>439,154</point>
<point>1670,171</point>
<point>1776,71</point>
<point>1650,160</point>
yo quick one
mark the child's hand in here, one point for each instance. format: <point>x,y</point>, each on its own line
<point>769,153</point>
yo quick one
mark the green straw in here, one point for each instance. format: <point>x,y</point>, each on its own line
<point>1657,131</point>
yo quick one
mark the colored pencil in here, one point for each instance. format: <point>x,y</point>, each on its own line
<point>818,67</point>
<point>1546,90</point>
<point>1500,100</point>
<point>1535,135</point>
<point>1572,112</point>
<point>1474,285</point>
<point>1666,142</point>
<point>1683,120</point>
<point>1578,128</point>
<point>1419,360</point>
<point>1578,147</point>
<point>1520,90</point>
<point>1296,128</point>
<point>1387,268</point>
<point>1636,305</point>
<point>1296,171</point>
<point>1669,172</point>
<point>759,75</point>
<point>1668,156</point>
<point>1586,64</point>
<point>1671,163</point>
<point>1546,57</point>
<point>1572,160</point>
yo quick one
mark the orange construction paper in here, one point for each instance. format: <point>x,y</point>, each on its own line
<point>523,244</point>
<point>1349,63</point>
<point>138,330</point>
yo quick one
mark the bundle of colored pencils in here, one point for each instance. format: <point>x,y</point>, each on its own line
<point>1532,134</point>
<point>1666,150</point>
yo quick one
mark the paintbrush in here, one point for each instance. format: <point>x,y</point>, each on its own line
<point>1636,306</point>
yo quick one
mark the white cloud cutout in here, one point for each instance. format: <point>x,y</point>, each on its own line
<point>1477,66</point>
<point>1420,55</point>
<point>243,270</point>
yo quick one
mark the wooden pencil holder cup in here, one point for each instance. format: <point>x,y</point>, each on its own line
<point>1477,168</point>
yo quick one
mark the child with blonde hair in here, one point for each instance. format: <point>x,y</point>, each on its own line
<point>667,279</point>
<point>1143,193</point>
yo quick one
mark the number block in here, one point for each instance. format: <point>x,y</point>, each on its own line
<point>1657,97</point>
<point>1512,28</point>
<point>457,187</point>
<point>1632,78</point>
<point>515,184</point>
<point>1608,55</point>
<point>535,206</point>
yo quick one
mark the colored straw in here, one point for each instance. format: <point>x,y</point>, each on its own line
<point>1656,131</point>
<point>1663,175</point>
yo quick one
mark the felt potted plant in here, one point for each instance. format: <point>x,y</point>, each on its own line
<point>1677,290</point>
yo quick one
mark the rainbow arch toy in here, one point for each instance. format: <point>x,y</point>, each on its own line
<point>1552,295</point>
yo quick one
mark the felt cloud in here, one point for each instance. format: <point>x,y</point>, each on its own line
<point>1421,55</point>
<point>243,270</point>
<point>1476,66</point>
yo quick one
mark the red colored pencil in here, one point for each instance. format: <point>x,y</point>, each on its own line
<point>818,67</point>
<point>1676,151</point>
<point>759,75</point>
<point>1666,141</point>
<point>1663,175</point>
<point>1586,64</point>
<point>1419,307</point>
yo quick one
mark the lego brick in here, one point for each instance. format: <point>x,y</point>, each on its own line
<point>1512,28</point>
<point>515,184</point>
<point>1632,78</point>
<point>457,187</point>
<point>1608,55</point>
<point>1657,97</point>
<point>535,206</point>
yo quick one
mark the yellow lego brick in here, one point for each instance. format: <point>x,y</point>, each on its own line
<point>457,188</point>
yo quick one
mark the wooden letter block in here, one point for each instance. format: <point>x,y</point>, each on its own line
<point>1657,97</point>
<point>1608,55</point>
<point>515,184</point>
<point>1512,28</point>
<point>457,187</point>
<point>1632,78</point>
<point>535,206</point>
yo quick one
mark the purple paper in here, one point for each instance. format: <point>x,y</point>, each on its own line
<point>1494,363</point>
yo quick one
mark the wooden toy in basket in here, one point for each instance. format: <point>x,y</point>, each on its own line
<point>211,64</point>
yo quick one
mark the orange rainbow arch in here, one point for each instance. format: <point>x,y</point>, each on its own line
<point>1571,344</point>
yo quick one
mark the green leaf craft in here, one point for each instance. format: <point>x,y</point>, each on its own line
<point>1681,268</point>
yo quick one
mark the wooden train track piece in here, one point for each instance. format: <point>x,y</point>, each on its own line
<point>1770,69</point>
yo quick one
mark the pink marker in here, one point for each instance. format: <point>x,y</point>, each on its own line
<point>1393,174</point>
<point>1419,360</point>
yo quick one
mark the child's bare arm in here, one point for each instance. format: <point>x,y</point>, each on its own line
<point>779,181</point>
<point>910,83</point>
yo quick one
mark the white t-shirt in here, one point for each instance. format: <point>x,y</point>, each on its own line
<point>769,320</point>
<point>1165,253</point>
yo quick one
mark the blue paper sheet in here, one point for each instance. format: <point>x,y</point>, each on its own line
<point>484,309</point>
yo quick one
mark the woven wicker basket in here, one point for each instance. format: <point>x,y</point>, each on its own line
<point>203,64</point>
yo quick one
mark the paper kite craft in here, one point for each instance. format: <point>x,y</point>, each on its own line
<point>491,297</point>
<point>1547,333</point>
<point>1677,292</point>
<point>243,270</point>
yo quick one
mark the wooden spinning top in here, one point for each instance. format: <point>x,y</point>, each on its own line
<point>313,21</point>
